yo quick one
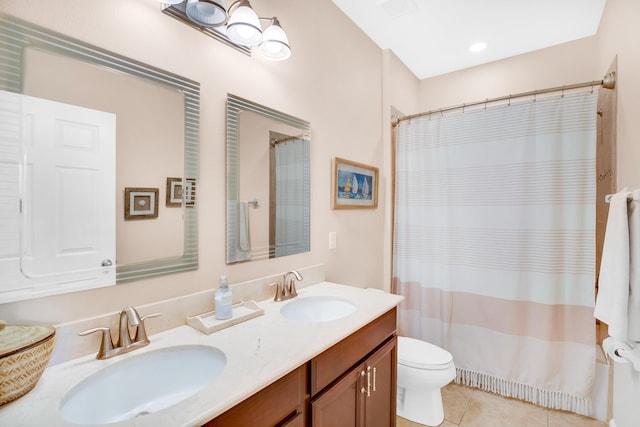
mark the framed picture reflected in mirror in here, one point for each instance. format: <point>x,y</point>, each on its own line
<point>140,203</point>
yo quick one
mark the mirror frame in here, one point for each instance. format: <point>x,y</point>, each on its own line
<point>16,35</point>
<point>235,105</point>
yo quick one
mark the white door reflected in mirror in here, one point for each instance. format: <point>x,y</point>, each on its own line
<point>64,210</point>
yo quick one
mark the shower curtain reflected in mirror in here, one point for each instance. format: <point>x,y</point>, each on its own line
<point>494,244</point>
<point>289,226</point>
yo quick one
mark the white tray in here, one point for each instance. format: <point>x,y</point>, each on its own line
<point>241,312</point>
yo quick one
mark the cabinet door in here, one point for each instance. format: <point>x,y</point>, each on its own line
<point>364,397</point>
<point>380,400</point>
<point>340,404</point>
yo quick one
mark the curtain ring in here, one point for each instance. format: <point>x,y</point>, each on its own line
<point>509,104</point>
<point>486,100</point>
<point>535,94</point>
<point>562,96</point>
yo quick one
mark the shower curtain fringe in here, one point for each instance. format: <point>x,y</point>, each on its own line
<point>545,398</point>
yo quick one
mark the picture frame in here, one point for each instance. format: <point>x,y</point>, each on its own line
<point>174,193</point>
<point>190,192</point>
<point>354,186</point>
<point>140,203</point>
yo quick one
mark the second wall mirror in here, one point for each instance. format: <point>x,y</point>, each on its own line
<point>268,182</point>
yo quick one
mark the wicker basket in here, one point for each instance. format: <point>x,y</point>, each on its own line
<point>24,354</point>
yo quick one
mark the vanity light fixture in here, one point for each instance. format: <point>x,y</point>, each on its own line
<point>242,25</point>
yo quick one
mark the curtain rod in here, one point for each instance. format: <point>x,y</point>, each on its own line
<point>608,82</point>
<point>276,141</point>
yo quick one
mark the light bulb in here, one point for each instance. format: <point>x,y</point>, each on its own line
<point>208,13</point>
<point>244,26</point>
<point>275,44</point>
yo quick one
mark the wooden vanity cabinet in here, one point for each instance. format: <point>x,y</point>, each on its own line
<point>363,394</point>
<point>281,404</point>
<point>350,384</point>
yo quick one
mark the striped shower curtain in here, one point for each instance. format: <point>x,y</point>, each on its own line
<point>494,244</point>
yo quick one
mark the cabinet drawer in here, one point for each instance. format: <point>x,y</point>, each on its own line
<point>332,363</point>
<point>271,406</point>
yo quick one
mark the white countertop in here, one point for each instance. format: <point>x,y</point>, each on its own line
<point>258,351</point>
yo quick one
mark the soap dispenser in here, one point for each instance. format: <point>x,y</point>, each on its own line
<point>224,300</point>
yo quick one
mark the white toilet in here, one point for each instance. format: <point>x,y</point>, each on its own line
<point>423,369</point>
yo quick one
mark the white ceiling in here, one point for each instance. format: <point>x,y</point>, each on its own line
<point>432,37</point>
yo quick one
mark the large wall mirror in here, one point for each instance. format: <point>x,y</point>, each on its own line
<point>268,182</point>
<point>98,166</point>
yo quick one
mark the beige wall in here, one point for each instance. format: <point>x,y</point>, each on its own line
<point>333,81</point>
<point>617,35</point>
<point>568,63</point>
<point>400,96</point>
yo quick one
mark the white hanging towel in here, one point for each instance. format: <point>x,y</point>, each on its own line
<point>633,310</point>
<point>237,230</point>
<point>619,271</point>
<point>243,226</point>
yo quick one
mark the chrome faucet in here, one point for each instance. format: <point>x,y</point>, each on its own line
<point>287,289</point>
<point>129,317</point>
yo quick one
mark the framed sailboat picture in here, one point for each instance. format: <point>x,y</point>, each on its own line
<point>355,185</point>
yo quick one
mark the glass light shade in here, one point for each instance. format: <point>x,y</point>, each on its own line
<point>275,45</point>
<point>208,13</point>
<point>244,26</point>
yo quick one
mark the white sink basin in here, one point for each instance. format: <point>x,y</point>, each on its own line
<point>142,384</point>
<point>317,308</point>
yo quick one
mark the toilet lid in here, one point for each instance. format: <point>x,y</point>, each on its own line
<point>422,355</point>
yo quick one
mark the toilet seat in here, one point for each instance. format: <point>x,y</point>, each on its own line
<point>422,355</point>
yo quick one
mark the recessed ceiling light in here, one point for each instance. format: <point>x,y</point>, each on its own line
<point>477,47</point>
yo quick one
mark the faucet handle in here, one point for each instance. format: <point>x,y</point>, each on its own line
<point>279,291</point>
<point>106,344</point>
<point>141,332</point>
<point>150,315</point>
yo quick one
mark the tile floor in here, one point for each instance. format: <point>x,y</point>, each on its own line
<point>467,407</point>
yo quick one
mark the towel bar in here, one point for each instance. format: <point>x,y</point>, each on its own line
<point>634,196</point>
